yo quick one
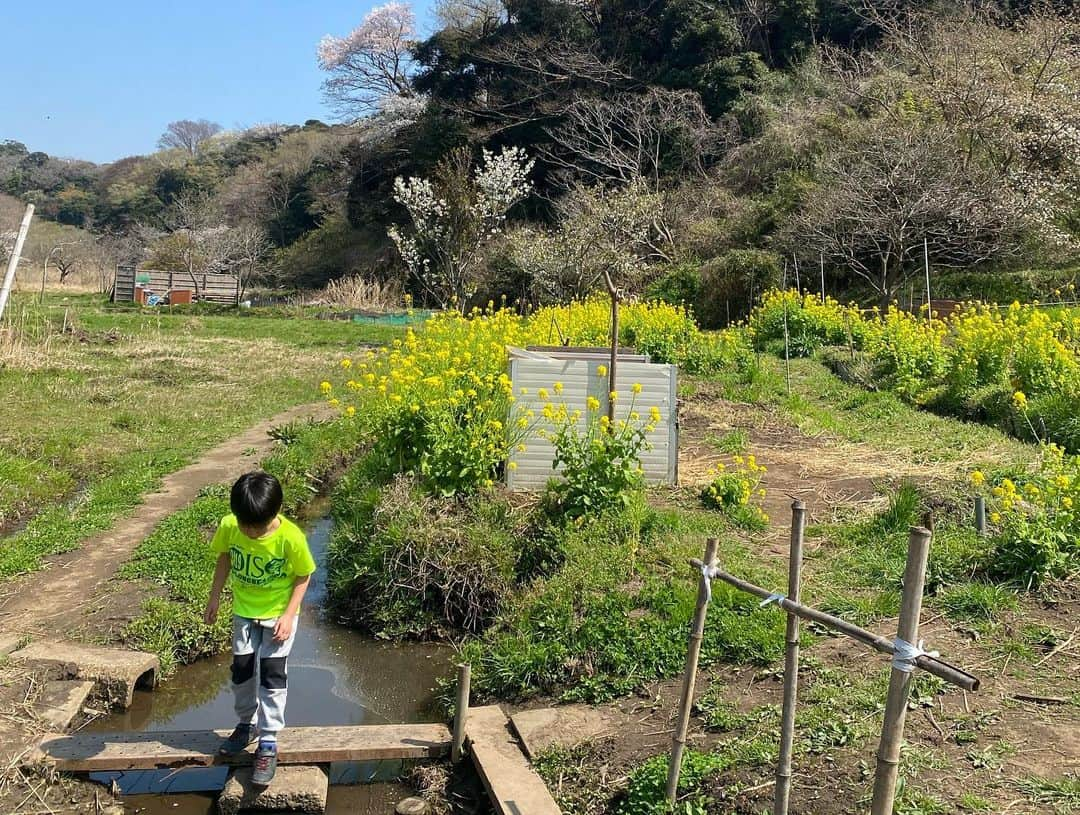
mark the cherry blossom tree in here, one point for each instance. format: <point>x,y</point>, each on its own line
<point>454,215</point>
<point>371,63</point>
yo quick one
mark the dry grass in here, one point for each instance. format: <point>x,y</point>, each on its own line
<point>84,279</point>
<point>25,340</point>
<point>359,293</point>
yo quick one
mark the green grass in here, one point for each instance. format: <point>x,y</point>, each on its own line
<point>93,419</point>
<point>1063,795</point>
<point>820,402</point>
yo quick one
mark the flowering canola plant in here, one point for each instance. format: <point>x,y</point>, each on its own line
<point>1035,518</point>
<point>736,491</point>
<point>440,403</point>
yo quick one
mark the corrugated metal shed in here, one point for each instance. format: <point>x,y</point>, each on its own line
<point>577,371</point>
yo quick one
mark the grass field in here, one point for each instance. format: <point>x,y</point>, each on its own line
<point>95,415</point>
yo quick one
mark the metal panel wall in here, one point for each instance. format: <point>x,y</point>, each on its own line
<point>580,381</point>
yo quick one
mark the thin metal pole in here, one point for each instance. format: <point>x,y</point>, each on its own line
<point>13,261</point>
<point>823,277</point>
<point>980,514</point>
<point>892,732</point>
<point>782,792</point>
<point>798,285</point>
<point>461,712</point>
<point>932,665</point>
<point>926,263</point>
<point>697,631</point>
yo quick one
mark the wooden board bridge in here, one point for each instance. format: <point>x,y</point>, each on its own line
<point>93,752</point>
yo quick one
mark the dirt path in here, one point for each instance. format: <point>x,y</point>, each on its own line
<point>52,600</point>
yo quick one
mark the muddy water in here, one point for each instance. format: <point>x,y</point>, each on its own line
<point>336,677</point>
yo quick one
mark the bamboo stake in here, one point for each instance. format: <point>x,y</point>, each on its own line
<point>823,278</point>
<point>892,732</point>
<point>932,665</point>
<point>697,630</point>
<point>787,341</point>
<point>13,261</point>
<point>782,792</point>
<point>461,712</point>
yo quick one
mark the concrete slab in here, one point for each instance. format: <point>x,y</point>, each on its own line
<point>295,788</point>
<point>412,806</point>
<point>61,701</point>
<point>566,726</point>
<point>513,785</point>
<point>117,672</point>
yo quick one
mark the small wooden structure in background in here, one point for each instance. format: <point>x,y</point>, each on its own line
<point>131,286</point>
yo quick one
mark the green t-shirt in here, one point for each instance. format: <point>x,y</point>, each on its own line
<point>263,571</point>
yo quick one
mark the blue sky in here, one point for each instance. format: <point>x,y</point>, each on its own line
<point>100,80</point>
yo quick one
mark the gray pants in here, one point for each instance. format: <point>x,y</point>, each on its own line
<point>260,694</point>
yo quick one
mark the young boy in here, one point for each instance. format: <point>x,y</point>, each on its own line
<point>269,563</point>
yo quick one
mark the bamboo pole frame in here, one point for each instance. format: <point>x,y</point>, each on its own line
<point>782,793</point>
<point>697,631</point>
<point>930,664</point>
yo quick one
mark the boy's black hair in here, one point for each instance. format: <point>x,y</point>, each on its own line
<point>256,498</point>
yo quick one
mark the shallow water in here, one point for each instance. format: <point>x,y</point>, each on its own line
<point>336,677</point>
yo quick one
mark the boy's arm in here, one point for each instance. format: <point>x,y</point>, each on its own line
<point>287,621</point>
<point>221,574</point>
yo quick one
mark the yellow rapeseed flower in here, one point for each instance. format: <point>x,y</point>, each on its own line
<point>558,387</point>
<point>601,370</point>
<point>592,403</point>
<point>350,411</point>
<point>325,386</point>
<point>636,388</point>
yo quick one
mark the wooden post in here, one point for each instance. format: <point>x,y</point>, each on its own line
<point>892,731</point>
<point>613,293</point>
<point>782,793</point>
<point>697,630</point>
<point>980,515</point>
<point>461,712</point>
<point>13,261</point>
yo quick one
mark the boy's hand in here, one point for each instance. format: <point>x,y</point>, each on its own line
<point>284,628</point>
<point>210,616</point>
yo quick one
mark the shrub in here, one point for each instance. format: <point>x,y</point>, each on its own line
<point>730,282</point>
<point>678,286</point>
<point>405,563</point>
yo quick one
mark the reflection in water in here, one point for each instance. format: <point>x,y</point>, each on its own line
<point>336,677</point>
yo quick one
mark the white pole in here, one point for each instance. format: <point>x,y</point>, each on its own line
<point>823,278</point>
<point>798,286</point>
<point>926,262</point>
<point>13,261</point>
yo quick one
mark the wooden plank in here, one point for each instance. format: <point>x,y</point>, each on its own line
<point>90,752</point>
<point>513,785</point>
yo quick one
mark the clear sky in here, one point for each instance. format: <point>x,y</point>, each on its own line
<point>101,80</point>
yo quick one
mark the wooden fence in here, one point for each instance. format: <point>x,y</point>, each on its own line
<point>215,288</point>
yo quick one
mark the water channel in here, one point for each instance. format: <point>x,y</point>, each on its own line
<point>337,676</point>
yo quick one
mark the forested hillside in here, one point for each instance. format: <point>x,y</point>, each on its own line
<point>697,151</point>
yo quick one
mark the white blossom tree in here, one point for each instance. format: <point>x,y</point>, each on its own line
<point>454,215</point>
<point>371,63</point>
